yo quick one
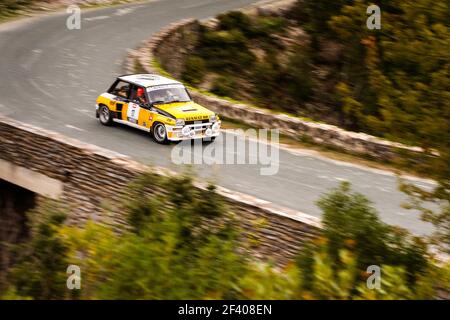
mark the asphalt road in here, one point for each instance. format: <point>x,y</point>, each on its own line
<point>50,77</point>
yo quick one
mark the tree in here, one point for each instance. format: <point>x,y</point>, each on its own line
<point>353,238</point>
<point>350,221</point>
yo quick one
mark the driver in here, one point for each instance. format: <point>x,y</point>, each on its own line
<point>160,95</point>
<point>140,96</point>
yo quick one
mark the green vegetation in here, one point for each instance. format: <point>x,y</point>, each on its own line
<point>353,239</point>
<point>321,61</point>
<point>243,54</point>
<point>41,262</point>
<point>186,245</point>
<point>397,78</point>
<point>10,8</point>
<point>420,199</point>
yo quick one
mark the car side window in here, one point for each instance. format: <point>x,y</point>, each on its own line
<point>121,89</point>
<point>138,95</point>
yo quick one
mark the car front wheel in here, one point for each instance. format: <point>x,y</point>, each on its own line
<point>159,133</point>
<point>209,139</point>
<point>105,116</point>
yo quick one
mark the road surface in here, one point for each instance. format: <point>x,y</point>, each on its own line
<point>51,76</point>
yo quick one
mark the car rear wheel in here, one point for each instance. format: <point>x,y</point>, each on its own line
<point>105,116</point>
<point>159,133</point>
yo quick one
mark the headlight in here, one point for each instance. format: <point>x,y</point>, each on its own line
<point>185,131</point>
<point>216,126</point>
<point>213,118</point>
<point>179,122</point>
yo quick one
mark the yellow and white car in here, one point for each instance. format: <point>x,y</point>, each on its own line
<point>158,105</point>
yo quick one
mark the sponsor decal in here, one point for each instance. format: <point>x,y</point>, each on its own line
<point>166,86</point>
<point>133,112</point>
<point>193,118</point>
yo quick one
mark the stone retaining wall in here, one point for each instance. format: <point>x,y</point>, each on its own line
<point>170,47</point>
<point>94,179</point>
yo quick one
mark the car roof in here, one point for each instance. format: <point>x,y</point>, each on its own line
<point>147,80</point>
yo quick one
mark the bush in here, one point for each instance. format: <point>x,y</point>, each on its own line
<point>225,51</point>
<point>299,76</point>
<point>194,70</point>
<point>268,81</point>
<point>40,272</point>
<point>349,216</point>
<point>223,86</point>
<point>235,20</point>
<point>10,7</point>
<point>184,245</point>
<point>353,239</point>
<point>265,27</point>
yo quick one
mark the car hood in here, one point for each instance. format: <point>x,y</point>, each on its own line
<point>188,111</point>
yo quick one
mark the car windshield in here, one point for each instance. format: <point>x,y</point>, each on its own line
<point>168,94</point>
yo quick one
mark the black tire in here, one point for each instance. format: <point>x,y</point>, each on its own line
<point>105,116</point>
<point>159,133</point>
<point>209,139</point>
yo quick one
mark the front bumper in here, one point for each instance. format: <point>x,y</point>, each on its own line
<point>193,131</point>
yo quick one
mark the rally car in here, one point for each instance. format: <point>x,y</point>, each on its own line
<point>158,105</point>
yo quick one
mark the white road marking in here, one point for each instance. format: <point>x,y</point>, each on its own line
<point>88,113</point>
<point>42,105</point>
<point>124,11</point>
<point>195,5</point>
<point>73,127</point>
<point>73,75</point>
<point>384,189</point>
<point>96,18</point>
<point>34,84</point>
<point>33,58</point>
